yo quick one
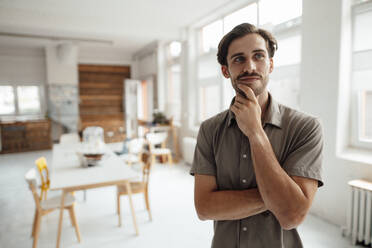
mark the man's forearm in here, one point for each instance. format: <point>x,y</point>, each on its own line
<point>279,191</point>
<point>231,205</point>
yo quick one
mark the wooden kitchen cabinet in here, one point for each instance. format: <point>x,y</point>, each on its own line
<point>20,136</point>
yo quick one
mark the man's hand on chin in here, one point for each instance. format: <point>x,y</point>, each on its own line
<point>247,112</point>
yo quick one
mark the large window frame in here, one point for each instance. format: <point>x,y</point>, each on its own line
<point>173,104</point>
<point>290,26</point>
<point>358,88</point>
<point>17,113</point>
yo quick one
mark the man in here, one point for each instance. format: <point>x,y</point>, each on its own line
<point>257,166</point>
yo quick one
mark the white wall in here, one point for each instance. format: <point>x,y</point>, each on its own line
<point>63,83</point>
<point>149,64</point>
<point>31,61</point>
<point>62,64</point>
<point>322,75</point>
<point>103,55</point>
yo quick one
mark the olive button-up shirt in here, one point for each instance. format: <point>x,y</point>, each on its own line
<point>223,151</point>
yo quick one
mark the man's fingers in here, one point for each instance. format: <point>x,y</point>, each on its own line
<point>234,109</point>
<point>239,105</point>
<point>248,92</point>
<point>241,99</point>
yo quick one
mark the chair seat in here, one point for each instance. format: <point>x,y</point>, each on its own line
<point>160,151</point>
<point>130,158</point>
<point>55,202</point>
<point>116,147</point>
<point>136,187</point>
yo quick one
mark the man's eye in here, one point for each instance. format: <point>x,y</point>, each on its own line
<point>239,59</point>
<point>259,56</point>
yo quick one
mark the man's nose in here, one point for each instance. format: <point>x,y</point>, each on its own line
<point>249,66</point>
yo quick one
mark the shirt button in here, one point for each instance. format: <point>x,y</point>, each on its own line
<point>244,181</point>
<point>244,229</point>
<point>244,155</point>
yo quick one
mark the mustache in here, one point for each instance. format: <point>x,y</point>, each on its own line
<point>246,74</point>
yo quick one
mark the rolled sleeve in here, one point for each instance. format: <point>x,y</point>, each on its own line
<point>204,159</point>
<point>305,159</point>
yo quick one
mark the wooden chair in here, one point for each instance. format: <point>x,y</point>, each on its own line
<point>156,139</point>
<point>69,138</point>
<point>137,187</point>
<point>41,164</point>
<point>135,149</point>
<point>47,206</point>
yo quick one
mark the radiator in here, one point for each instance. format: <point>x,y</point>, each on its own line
<point>188,149</point>
<point>359,212</point>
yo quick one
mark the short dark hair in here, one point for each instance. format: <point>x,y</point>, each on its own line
<point>240,31</point>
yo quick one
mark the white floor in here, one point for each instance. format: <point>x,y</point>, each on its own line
<point>174,224</point>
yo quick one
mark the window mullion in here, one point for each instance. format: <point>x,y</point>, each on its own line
<point>16,102</point>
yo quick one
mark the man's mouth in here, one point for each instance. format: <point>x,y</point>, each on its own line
<point>248,77</point>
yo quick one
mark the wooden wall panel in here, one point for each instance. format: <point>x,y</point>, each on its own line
<point>101,99</point>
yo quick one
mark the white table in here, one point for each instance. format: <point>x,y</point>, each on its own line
<point>67,175</point>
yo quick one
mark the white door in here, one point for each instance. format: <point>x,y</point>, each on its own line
<point>130,106</point>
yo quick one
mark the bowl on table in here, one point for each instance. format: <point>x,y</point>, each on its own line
<point>93,156</point>
<point>90,159</point>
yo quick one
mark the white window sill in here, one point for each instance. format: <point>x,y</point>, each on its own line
<point>14,118</point>
<point>356,155</point>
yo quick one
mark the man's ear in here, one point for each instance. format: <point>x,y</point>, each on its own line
<point>271,65</point>
<point>225,71</point>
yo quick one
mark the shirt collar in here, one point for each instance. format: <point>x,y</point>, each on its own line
<point>272,116</point>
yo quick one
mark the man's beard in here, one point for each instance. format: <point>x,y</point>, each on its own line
<point>263,83</point>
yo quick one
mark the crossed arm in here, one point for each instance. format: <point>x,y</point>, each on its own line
<point>288,198</point>
<point>225,205</point>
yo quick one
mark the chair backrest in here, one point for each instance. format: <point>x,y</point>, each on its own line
<point>93,133</point>
<point>69,138</point>
<point>31,180</point>
<point>156,138</point>
<point>41,164</point>
<point>145,158</point>
<point>135,146</point>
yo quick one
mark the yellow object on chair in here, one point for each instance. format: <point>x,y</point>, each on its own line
<point>44,175</point>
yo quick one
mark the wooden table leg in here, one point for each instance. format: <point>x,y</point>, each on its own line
<point>60,218</point>
<point>131,206</point>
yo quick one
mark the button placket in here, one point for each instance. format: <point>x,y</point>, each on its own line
<point>244,163</point>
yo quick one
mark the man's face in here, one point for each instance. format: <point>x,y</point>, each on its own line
<point>248,63</point>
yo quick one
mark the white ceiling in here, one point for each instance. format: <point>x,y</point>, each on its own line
<point>130,24</point>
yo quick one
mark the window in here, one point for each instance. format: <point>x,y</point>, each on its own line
<point>20,100</point>
<point>173,104</point>
<point>246,14</point>
<point>270,13</point>
<point>209,36</point>
<point>289,52</point>
<point>28,99</point>
<point>7,106</point>
<point>209,101</point>
<point>284,81</point>
<point>362,76</point>
<point>173,107</point>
